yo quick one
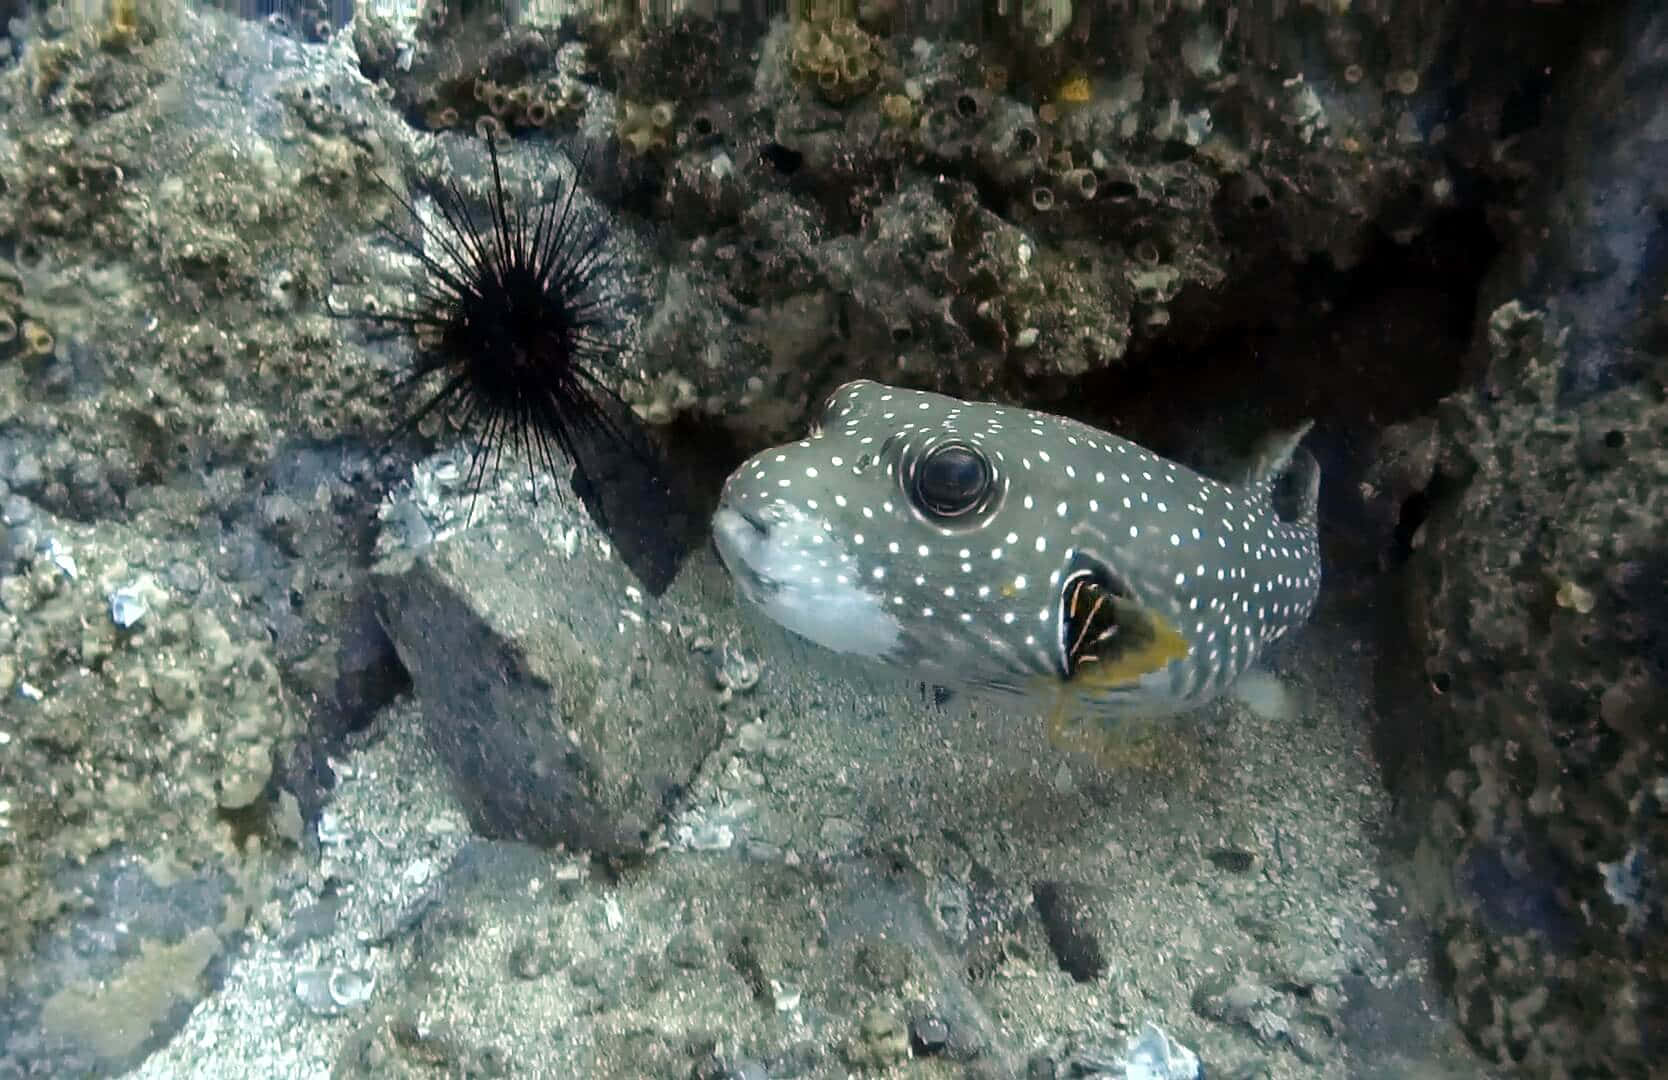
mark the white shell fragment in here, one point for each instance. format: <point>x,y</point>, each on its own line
<point>786,997</point>
<point>711,836</point>
<point>737,673</point>
<point>330,830</point>
<point>1153,1055</point>
<point>128,606</point>
<point>59,557</point>
<point>331,991</point>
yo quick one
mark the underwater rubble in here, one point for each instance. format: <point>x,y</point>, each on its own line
<point>831,893</point>
<point>309,763</point>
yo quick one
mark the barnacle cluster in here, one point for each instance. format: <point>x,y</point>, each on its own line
<point>838,57</point>
<point>646,127</point>
<point>498,107</point>
<point>478,75</point>
<point>1065,179</point>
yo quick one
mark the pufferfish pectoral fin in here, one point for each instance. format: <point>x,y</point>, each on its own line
<point>1108,641</point>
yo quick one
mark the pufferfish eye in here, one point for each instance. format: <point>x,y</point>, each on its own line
<point>951,480</point>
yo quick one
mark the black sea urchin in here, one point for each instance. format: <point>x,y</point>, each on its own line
<point>510,320</point>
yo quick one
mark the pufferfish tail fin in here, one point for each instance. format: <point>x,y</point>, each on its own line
<point>1288,472</point>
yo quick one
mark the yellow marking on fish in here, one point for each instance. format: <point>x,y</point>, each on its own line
<point>1145,642</point>
<point>1116,641</point>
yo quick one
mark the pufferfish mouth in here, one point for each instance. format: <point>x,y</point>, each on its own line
<point>766,559</point>
<point>742,539</point>
<point>759,524</point>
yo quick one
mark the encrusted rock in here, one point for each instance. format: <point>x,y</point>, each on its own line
<point>1534,600</point>
<point>1535,594</point>
<point>563,713</point>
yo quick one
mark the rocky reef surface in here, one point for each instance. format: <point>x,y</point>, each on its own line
<point>299,775</point>
<point>1534,607</point>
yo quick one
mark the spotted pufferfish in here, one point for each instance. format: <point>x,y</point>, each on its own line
<point>1025,557</point>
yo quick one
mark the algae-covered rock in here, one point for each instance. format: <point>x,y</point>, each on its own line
<point>112,1021</point>
<point>1536,614</point>
<point>158,201</point>
<point>1168,169</point>
<point>1534,599</point>
<point>140,741</point>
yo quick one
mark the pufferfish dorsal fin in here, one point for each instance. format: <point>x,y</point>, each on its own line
<point>1290,473</point>
<point>1272,454</point>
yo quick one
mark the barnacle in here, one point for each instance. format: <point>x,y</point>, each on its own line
<point>898,110</point>
<point>646,127</point>
<point>37,339</point>
<point>1080,183</point>
<point>838,57</point>
<point>708,121</point>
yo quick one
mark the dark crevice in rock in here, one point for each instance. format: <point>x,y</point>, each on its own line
<point>1364,348</point>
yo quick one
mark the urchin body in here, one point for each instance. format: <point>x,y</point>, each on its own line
<point>510,322</point>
